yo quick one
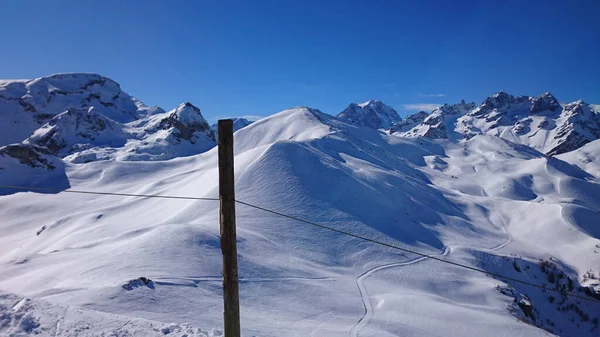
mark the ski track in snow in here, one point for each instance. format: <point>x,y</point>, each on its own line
<point>369,312</point>
<point>366,318</point>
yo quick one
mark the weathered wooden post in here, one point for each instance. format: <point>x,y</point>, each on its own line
<point>231,298</point>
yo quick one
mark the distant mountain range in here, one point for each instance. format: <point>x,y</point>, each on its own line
<point>87,117</point>
<point>539,122</point>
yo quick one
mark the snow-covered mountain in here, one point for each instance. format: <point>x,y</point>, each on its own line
<point>538,122</point>
<point>409,122</point>
<point>182,131</point>
<point>238,123</point>
<point>440,122</point>
<point>78,129</point>
<point>373,114</point>
<point>26,105</point>
<point>81,264</point>
<point>87,117</point>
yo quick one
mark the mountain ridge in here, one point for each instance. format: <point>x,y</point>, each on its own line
<point>372,113</point>
<point>29,104</point>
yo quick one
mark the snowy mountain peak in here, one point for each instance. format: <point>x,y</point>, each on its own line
<point>577,107</point>
<point>580,125</point>
<point>545,102</point>
<point>456,109</point>
<point>417,116</point>
<point>371,102</point>
<point>78,129</point>
<point>373,113</point>
<point>409,122</point>
<point>290,125</point>
<point>539,122</point>
<point>238,123</point>
<point>80,80</point>
<point>498,101</point>
<point>29,104</point>
<point>441,121</point>
<point>83,117</point>
<point>188,105</point>
<point>184,121</point>
<point>189,113</point>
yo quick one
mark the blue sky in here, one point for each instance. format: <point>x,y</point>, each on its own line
<point>259,57</point>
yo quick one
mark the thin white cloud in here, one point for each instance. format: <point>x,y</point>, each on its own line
<point>431,95</point>
<point>421,106</point>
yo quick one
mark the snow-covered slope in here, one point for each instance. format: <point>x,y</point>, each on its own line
<point>22,316</point>
<point>587,157</point>
<point>484,202</point>
<point>373,114</point>
<point>31,166</point>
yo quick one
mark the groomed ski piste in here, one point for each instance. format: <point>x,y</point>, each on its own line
<point>99,265</point>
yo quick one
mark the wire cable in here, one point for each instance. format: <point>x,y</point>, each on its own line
<point>417,253</point>
<point>107,193</point>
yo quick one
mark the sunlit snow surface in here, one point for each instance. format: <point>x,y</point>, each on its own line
<point>471,202</point>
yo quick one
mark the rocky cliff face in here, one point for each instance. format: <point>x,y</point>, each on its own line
<point>580,124</point>
<point>373,114</point>
<point>409,122</point>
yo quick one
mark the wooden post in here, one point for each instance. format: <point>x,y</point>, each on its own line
<point>231,298</point>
